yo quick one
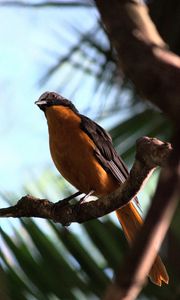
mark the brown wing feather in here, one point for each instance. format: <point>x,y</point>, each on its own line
<point>104,151</point>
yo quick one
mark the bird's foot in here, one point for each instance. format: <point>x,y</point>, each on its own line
<point>83,200</point>
<point>65,201</point>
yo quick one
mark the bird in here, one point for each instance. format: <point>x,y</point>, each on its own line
<point>84,155</point>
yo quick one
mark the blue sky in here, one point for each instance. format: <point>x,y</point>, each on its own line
<point>28,37</point>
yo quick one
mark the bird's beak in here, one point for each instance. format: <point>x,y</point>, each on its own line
<point>41,104</point>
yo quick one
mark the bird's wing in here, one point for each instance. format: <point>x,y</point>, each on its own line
<point>104,151</point>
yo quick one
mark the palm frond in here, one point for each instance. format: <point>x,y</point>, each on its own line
<point>42,260</point>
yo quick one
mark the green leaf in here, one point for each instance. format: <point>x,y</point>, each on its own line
<point>95,275</point>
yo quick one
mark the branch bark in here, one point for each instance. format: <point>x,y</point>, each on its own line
<point>131,276</point>
<point>142,54</point>
<point>150,154</point>
<point>155,72</point>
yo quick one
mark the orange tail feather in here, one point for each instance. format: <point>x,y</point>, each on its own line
<point>131,221</point>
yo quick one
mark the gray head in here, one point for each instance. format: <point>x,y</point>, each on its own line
<point>48,99</point>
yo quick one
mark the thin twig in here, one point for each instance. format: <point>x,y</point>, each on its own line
<point>150,154</point>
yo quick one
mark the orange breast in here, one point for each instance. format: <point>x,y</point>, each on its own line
<point>73,153</point>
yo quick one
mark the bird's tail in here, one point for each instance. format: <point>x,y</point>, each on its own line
<point>131,221</point>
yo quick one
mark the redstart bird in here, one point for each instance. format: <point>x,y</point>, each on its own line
<point>83,153</point>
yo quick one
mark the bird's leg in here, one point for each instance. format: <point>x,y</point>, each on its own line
<point>82,200</point>
<point>65,201</point>
<point>85,197</point>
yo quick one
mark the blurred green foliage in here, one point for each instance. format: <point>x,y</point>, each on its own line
<point>44,261</point>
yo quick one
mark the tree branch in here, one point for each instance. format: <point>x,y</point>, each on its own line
<point>155,71</point>
<point>143,55</point>
<point>131,276</point>
<point>150,154</point>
